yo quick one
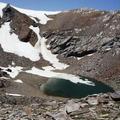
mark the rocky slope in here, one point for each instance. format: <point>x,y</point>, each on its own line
<point>83,42</point>
<point>92,37</point>
<point>87,40</point>
<point>97,107</point>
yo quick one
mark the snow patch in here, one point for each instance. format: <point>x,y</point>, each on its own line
<point>14,70</point>
<point>77,30</point>
<point>41,15</point>
<point>4,78</point>
<point>107,49</point>
<point>13,63</point>
<point>90,54</point>
<point>33,18</point>
<point>11,94</point>
<point>18,81</point>
<point>48,68</point>
<point>51,74</point>
<point>47,55</point>
<point>79,58</point>
<point>11,43</point>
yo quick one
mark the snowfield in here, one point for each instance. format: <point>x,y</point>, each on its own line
<point>14,70</point>
<point>10,43</point>
<point>47,55</point>
<point>51,74</point>
<point>41,15</point>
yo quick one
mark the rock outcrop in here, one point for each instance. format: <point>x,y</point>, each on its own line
<point>81,32</point>
<point>4,83</point>
<point>90,37</point>
<point>20,24</point>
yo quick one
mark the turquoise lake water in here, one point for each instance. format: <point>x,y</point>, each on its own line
<point>65,88</point>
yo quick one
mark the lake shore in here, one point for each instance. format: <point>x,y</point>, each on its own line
<point>94,107</point>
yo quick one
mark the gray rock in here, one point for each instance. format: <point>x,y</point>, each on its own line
<point>51,103</point>
<point>92,101</point>
<point>60,116</point>
<point>71,106</point>
<point>117,118</point>
<point>115,96</point>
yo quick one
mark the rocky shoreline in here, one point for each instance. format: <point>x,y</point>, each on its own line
<point>95,107</point>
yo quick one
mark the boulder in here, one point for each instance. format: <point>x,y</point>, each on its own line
<point>115,96</point>
<point>25,34</point>
<point>72,106</point>
<point>92,101</point>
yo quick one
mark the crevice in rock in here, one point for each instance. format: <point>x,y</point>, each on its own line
<point>82,54</point>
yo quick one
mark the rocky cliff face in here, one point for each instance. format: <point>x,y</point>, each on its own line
<point>20,24</point>
<point>92,37</point>
<point>82,32</point>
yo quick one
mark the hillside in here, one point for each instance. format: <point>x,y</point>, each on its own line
<point>52,58</point>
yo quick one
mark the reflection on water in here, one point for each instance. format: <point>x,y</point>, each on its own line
<point>65,88</point>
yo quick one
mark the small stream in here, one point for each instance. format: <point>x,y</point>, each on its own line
<point>65,88</point>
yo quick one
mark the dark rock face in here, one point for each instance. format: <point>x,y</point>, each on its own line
<point>3,73</point>
<point>8,13</point>
<point>88,32</point>
<point>116,96</point>
<point>20,24</point>
<point>79,46</point>
<point>25,34</point>
<point>92,35</point>
<point>4,83</point>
